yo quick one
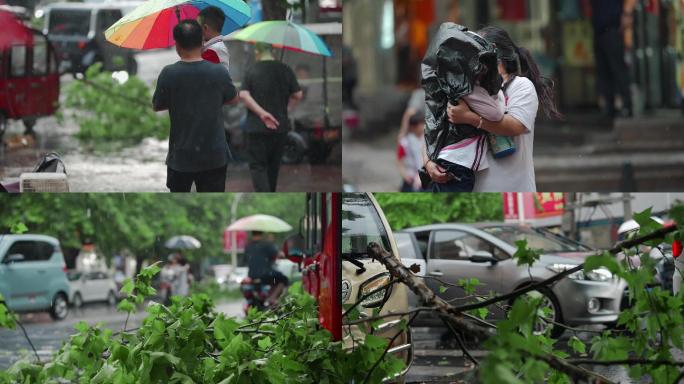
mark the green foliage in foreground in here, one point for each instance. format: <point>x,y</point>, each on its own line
<point>188,342</point>
<point>108,111</point>
<point>404,210</point>
<point>649,330</point>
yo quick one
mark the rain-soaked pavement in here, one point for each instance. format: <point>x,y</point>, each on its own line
<point>47,335</point>
<point>141,168</point>
<point>436,361</point>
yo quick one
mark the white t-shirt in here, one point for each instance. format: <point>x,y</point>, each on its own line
<point>514,173</point>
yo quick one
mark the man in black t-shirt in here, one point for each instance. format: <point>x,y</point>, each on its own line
<point>194,91</point>
<point>269,89</point>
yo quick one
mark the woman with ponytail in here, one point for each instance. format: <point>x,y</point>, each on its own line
<point>525,91</point>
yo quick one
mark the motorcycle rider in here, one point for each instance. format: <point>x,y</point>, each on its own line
<point>261,254</point>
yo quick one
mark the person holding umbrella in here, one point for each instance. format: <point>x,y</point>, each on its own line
<point>194,91</point>
<point>269,90</point>
<point>261,254</point>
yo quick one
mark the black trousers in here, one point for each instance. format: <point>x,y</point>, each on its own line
<point>611,71</point>
<point>212,180</point>
<point>264,152</point>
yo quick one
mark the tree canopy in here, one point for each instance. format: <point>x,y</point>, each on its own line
<point>413,209</point>
<point>142,221</point>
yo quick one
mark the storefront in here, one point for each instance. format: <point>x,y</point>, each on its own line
<point>390,37</point>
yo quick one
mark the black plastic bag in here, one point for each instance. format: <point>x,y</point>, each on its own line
<point>454,61</point>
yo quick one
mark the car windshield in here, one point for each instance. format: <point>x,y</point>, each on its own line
<point>537,239</point>
<point>74,22</point>
<point>361,225</point>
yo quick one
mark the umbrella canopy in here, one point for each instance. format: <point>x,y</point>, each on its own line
<point>261,223</point>
<point>283,34</point>
<point>13,31</point>
<point>183,242</point>
<point>150,25</point>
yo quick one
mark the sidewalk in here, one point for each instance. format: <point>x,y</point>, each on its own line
<point>581,153</point>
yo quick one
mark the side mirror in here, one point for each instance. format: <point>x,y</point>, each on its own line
<point>293,248</point>
<point>14,258</point>
<point>483,257</point>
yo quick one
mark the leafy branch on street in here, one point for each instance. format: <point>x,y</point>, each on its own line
<point>107,110</point>
<point>189,342</point>
<point>650,328</point>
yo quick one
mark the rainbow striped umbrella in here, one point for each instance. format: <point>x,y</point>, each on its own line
<point>283,34</point>
<point>150,25</point>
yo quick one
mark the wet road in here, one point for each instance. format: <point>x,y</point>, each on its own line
<point>141,168</point>
<point>442,362</point>
<point>47,335</point>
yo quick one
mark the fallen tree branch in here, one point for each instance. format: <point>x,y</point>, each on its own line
<point>660,233</point>
<point>454,315</point>
<point>427,295</point>
<point>626,362</point>
<point>576,373</point>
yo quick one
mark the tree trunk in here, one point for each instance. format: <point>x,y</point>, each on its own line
<point>274,9</point>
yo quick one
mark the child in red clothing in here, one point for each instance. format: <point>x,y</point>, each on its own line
<point>214,50</point>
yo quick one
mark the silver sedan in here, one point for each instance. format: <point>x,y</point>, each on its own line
<point>450,252</point>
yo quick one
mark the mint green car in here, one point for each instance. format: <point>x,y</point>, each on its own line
<point>33,275</point>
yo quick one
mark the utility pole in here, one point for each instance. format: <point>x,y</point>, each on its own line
<point>569,226</point>
<point>233,234</point>
<point>627,206</point>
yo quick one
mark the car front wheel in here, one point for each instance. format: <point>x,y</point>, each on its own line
<point>60,307</point>
<point>77,300</point>
<point>548,313</point>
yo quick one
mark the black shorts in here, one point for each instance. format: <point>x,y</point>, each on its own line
<point>212,180</point>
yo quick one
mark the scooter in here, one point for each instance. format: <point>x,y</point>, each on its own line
<point>255,293</point>
<point>50,163</point>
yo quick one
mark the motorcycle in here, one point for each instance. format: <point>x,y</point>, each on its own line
<point>255,293</point>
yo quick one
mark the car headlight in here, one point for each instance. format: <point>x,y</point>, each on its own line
<point>600,274</point>
<point>559,268</point>
<point>379,295</point>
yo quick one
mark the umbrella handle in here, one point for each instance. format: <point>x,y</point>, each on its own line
<point>178,14</point>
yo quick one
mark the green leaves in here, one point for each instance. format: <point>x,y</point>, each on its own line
<point>6,316</point>
<point>18,228</point>
<point>107,111</point>
<point>469,285</point>
<point>525,255</point>
<point>577,345</point>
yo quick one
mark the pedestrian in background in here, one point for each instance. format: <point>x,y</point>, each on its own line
<point>194,91</point>
<point>269,90</point>
<point>410,153</point>
<point>609,18</point>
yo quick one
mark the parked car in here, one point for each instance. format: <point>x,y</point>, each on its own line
<point>33,274</point>
<point>29,79</point>
<point>77,29</point>
<point>224,275</point>
<point>89,287</point>
<point>364,222</point>
<point>455,251</point>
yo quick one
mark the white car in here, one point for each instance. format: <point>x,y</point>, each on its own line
<point>87,287</point>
